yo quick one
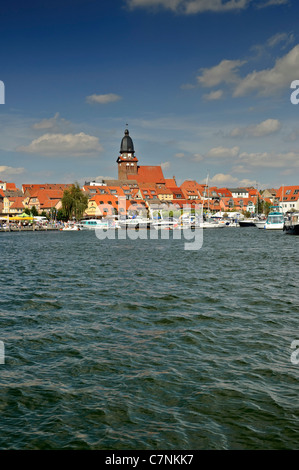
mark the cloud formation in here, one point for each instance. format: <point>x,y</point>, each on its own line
<point>223,152</point>
<point>265,82</point>
<point>227,180</point>
<point>10,171</point>
<point>103,99</point>
<point>270,159</point>
<point>225,72</point>
<point>269,81</point>
<point>213,95</point>
<point>74,145</point>
<point>267,127</point>
<point>189,7</point>
<point>53,124</point>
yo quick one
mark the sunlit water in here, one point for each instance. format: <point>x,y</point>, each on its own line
<point>140,344</point>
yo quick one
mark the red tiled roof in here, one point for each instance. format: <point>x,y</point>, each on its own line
<point>30,188</point>
<point>105,199</point>
<point>17,202</point>
<point>148,174</point>
<point>170,182</point>
<point>11,187</point>
<point>224,192</point>
<point>288,193</point>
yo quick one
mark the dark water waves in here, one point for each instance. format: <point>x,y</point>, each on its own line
<point>123,344</point>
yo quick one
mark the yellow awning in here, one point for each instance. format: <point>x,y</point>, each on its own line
<point>21,218</point>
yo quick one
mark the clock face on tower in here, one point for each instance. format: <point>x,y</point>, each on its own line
<point>129,155</point>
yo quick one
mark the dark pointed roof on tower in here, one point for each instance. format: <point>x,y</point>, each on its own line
<point>127,143</point>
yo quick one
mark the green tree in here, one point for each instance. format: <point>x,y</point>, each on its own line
<point>266,207</point>
<point>74,202</point>
<point>34,211</point>
<point>61,215</point>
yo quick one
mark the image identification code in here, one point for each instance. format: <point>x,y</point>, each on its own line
<point>154,459</point>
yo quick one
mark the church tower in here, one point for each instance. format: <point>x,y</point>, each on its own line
<point>127,162</point>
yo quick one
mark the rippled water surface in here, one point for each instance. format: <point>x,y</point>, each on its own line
<point>140,344</point>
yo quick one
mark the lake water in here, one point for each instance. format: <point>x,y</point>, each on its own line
<point>140,344</point>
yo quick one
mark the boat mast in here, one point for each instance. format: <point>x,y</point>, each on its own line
<point>207,185</point>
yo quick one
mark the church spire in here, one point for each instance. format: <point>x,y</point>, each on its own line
<point>127,162</point>
<point>127,145</point>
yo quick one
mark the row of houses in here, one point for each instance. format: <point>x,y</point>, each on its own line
<point>104,197</point>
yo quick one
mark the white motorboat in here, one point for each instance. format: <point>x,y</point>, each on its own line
<point>212,223</point>
<point>167,223</point>
<point>275,221</point>
<point>189,221</point>
<point>70,228</point>
<point>260,223</point>
<point>135,223</point>
<point>92,224</point>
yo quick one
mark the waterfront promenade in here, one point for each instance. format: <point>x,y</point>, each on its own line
<point>31,228</point>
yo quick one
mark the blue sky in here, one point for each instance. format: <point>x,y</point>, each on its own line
<point>204,86</point>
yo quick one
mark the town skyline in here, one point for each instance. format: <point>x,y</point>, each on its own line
<point>200,92</point>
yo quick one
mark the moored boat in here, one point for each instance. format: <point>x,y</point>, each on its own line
<point>275,219</point>
<point>210,223</point>
<point>167,223</point>
<point>291,225</point>
<point>260,224</point>
<point>247,222</point>
<point>92,224</point>
<point>135,223</point>
<point>70,228</point>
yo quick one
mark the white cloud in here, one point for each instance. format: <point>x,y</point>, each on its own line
<point>221,179</point>
<point>223,152</point>
<point>198,157</point>
<point>269,81</point>
<point>270,159</point>
<point>46,123</point>
<point>227,180</point>
<point>179,155</point>
<point>191,6</point>
<point>165,165</point>
<point>200,6</point>
<point>10,171</point>
<point>214,95</point>
<point>64,144</point>
<point>270,3</point>
<point>225,72</point>
<point>103,99</point>
<point>265,82</point>
<point>267,127</point>
<point>285,38</point>
<point>279,40</point>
